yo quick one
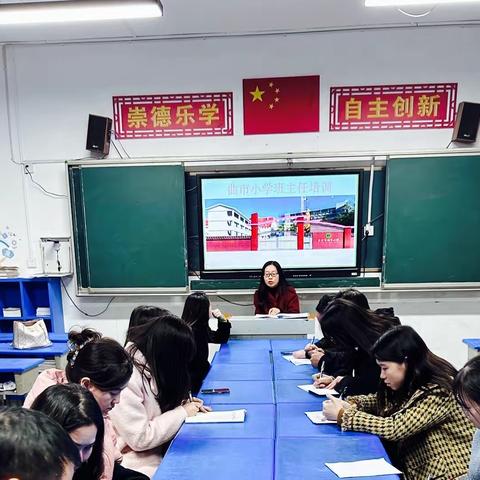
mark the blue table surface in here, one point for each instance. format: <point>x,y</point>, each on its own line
<point>292,422</point>
<point>472,342</point>
<point>260,344</point>
<point>239,355</point>
<point>240,371</point>
<point>18,365</point>
<point>241,392</point>
<point>53,350</point>
<point>289,345</point>
<point>297,458</point>
<point>54,337</point>
<point>217,459</point>
<point>287,391</point>
<point>285,370</point>
<point>259,423</point>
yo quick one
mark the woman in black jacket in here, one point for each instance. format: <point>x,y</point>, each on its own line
<point>353,330</point>
<point>197,313</point>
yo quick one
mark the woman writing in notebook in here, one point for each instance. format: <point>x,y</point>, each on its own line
<point>156,401</point>
<point>414,410</point>
<point>274,294</point>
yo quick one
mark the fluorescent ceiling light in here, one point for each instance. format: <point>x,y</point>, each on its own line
<point>77,11</point>
<point>402,3</point>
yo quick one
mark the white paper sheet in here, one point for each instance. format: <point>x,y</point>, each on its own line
<point>363,468</point>
<point>283,315</point>
<point>317,391</point>
<point>297,361</point>
<point>318,418</point>
<point>228,416</point>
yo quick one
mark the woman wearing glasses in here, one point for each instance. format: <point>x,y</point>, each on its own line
<point>274,294</point>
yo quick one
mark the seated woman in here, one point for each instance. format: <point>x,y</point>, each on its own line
<point>143,314</point>
<point>466,388</point>
<point>352,330</point>
<point>156,401</point>
<point>414,409</point>
<point>102,366</point>
<point>33,446</point>
<point>77,411</point>
<point>274,294</point>
<point>196,313</point>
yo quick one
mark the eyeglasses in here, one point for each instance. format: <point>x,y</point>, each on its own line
<point>270,275</point>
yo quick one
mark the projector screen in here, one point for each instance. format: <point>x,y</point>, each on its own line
<point>306,222</point>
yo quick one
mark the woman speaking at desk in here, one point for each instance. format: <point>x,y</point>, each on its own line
<point>274,294</point>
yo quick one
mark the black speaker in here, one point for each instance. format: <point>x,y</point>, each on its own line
<point>466,124</point>
<point>98,134</point>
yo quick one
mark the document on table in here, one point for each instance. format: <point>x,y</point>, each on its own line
<point>283,315</point>
<point>229,416</point>
<point>363,468</point>
<point>318,418</point>
<point>297,361</point>
<point>317,391</point>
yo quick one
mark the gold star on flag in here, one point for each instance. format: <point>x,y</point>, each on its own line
<point>271,106</point>
<point>276,99</point>
<point>277,90</point>
<point>257,94</point>
<point>270,84</point>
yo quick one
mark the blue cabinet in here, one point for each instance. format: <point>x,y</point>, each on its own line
<point>28,294</point>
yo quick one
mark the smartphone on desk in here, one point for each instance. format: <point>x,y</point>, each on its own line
<point>208,391</point>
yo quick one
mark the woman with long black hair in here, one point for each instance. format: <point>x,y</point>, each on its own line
<point>157,399</point>
<point>274,294</point>
<point>413,410</point>
<point>196,313</point>
<point>353,330</point>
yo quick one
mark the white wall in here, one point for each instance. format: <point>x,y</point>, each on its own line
<point>53,88</point>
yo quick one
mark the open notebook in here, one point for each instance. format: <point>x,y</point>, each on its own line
<point>318,418</point>
<point>284,315</point>
<point>230,416</point>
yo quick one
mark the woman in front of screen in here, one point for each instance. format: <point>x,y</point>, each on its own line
<point>274,294</point>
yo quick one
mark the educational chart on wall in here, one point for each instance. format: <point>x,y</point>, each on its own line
<point>307,222</point>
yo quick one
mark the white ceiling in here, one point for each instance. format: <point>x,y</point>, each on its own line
<point>230,17</point>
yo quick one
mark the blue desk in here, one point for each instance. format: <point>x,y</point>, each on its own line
<point>261,344</point>
<point>286,391</point>
<point>238,355</point>
<point>473,345</point>
<point>240,371</point>
<point>241,392</point>
<point>57,351</point>
<point>296,458</point>
<point>259,423</point>
<point>289,345</point>
<point>54,337</point>
<point>292,422</point>
<point>285,370</point>
<point>217,459</point>
<point>22,371</point>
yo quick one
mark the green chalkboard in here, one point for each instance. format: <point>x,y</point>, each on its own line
<point>129,226</point>
<point>432,220</point>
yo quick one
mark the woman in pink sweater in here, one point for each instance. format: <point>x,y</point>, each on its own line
<point>156,401</point>
<point>103,367</point>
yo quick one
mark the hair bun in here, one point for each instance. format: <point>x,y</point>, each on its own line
<point>77,338</point>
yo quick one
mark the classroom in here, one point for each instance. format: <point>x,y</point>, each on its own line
<point>201,200</point>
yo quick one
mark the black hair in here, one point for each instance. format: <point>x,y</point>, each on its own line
<point>103,360</point>
<point>168,347</point>
<point>402,344</point>
<point>349,326</point>
<point>197,309</point>
<point>31,442</point>
<point>323,302</point>
<point>264,289</point>
<point>73,406</point>
<point>143,314</point>
<point>466,385</point>
<point>355,296</point>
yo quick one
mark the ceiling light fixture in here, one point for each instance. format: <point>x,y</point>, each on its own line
<point>402,3</point>
<point>77,11</point>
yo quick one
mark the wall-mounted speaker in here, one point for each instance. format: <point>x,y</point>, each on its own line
<point>466,124</point>
<point>98,134</point>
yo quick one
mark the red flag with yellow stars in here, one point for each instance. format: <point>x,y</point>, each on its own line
<point>281,105</point>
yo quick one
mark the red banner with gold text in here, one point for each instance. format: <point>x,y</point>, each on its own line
<point>385,107</point>
<point>177,115</point>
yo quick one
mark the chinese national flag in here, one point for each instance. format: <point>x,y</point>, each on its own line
<point>281,105</point>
